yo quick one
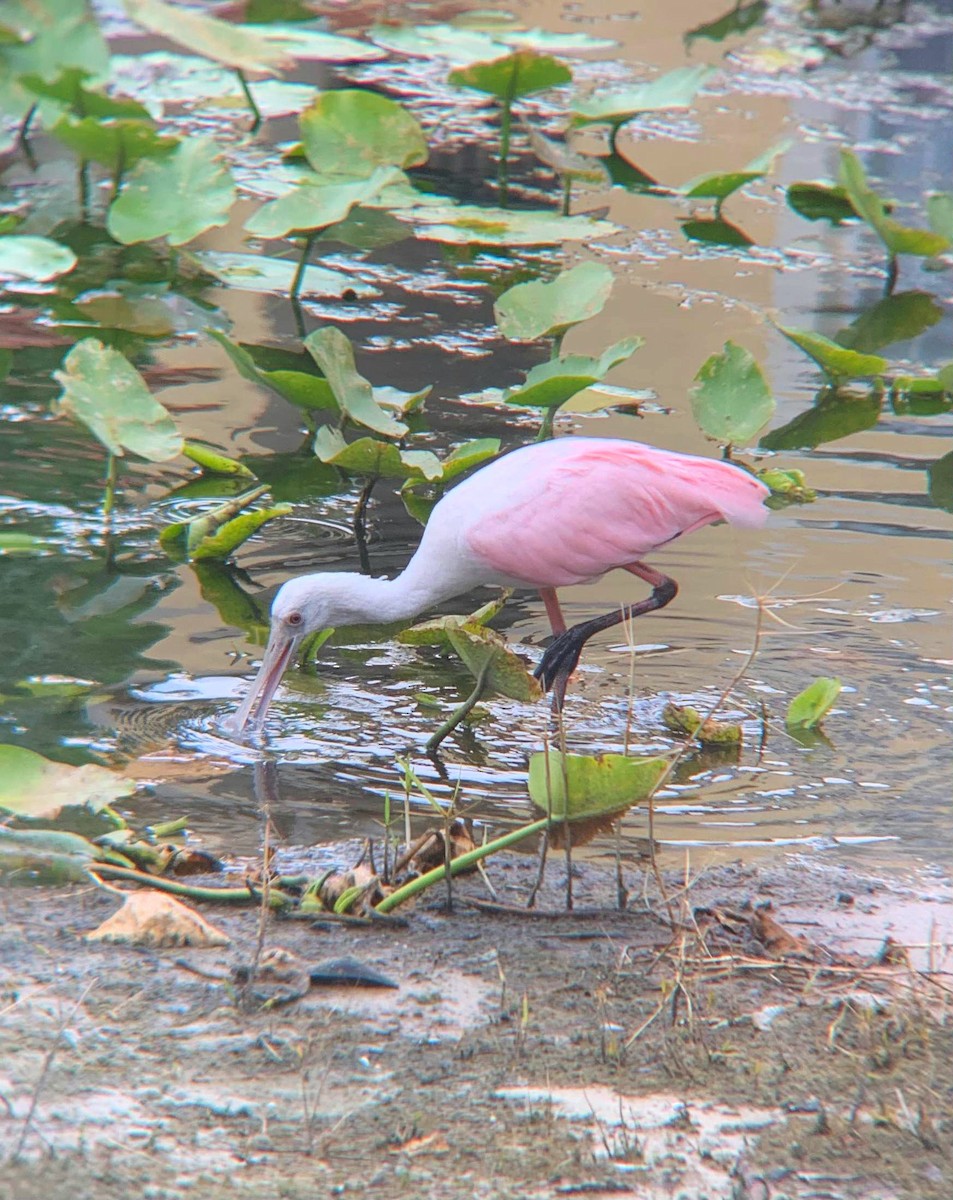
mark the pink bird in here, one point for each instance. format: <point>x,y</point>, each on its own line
<point>544,516</point>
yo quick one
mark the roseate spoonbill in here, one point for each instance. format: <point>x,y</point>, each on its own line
<point>547,515</point>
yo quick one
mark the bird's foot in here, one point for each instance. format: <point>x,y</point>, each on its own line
<point>558,663</point>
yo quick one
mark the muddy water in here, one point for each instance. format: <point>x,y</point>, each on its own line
<point>856,584</point>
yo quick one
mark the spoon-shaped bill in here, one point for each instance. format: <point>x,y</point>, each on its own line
<point>265,684</point>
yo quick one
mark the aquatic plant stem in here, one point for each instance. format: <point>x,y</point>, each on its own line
<point>109,493</point>
<point>893,269</point>
<point>250,100</point>
<point>422,882</point>
<point>360,528</point>
<point>567,195</point>
<point>23,136</point>
<point>460,714</point>
<point>84,190</point>
<point>276,897</point>
<point>302,266</point>
<point>503,169</point>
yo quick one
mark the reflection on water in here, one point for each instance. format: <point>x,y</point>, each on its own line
<point>119,651</point>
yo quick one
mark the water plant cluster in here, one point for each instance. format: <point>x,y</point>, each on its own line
<point>124,271</point>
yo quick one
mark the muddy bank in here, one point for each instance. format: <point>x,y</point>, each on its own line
<point>589,1053</point>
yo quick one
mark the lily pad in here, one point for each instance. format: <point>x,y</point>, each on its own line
<point>37,259</point>
<point>715,231</point>
<point>454,43</point>
<point>176,197</point>
<point>69,90</point>
<point>274,276</point>
<point>738,20</point>
<point>731,399</point>
<point>469,224</point>
<point>12,542</point>
<point>685,719</point>
<point>213,462</point>
<point>374,459</point>
<point>116,144</point>
<point>787,486</point>
<point>548,42</point>
<point>552,383</point>
<point>352,132</point>
<point>718,186</point>
<point>216,534</point>
<point>940,480</point>
<point>582,785</point>
<point>484,650</point>
<point>223,42</point>
<point>898,239</point>
<point>39,788</point>
<point>837,414</point>
<point>676,89</point>
<point>103,391</point>
<point>808,708</point>
<point>334,354</point>
<point>512,76</point>
<point>837,362</point>
<point>817,201</point>
<point>315,45</point>
<point>940,214</point>
<point>435,632</point>
<point>537,309</point>
<point>896,318</point>
<point>317,202</point>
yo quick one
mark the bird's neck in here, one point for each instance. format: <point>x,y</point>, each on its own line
<point>368,601</point>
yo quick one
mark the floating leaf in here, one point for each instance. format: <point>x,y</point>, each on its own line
<point>688,720</point>
<point>454,43</point>
<point>40,788</point>
<point>334,354</point>
<point>176,197</point>
<point>808,708</point>
<point>225,43</point>
<point>940,480</point>
<point>213,462</point>
<point>731,399</point>
<point>48,38</point>
<point>315,45</point>
<point>896,318</point>
<point>738,20</point>
<point>555,43</point>
<point>515,75</point>
<point>12,542</point>
<point>374,459</point>
<point>789,486</point>
<point>835,415</point>
<point>257,273</point>
<point>821,202</point>
<point>34,258</point>
<point>316,202</point>
<point>114,144</point>
<point>677,89</point>
<point>940,214</point>
<point>715,231</point>
<point>469,224</point>
<point>216,534</point>
<point>44,857</point>
<point>506,674</point>
<point>352,132</point>
<point>553,383</point>
<point>435,632</point>
<point>537,309</point>
<point>581,785</point>
<point>107,394</point>
<point>69,90</point>
<point>899,239</point>
<point>837,362</point>
<point>719,186</point>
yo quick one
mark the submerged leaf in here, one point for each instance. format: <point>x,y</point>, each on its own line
<point>731,399</point>
<point>836,414</point>
<point>107,394</point>
<point>581,785</point>
<point>37,787</point>
<point>538,309</point>
<point>485,653</point>
<point>809,707</point>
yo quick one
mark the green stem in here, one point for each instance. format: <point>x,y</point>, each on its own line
<point>422,882</point>
<point>567,195</point>
<point>84,190</point>
<point>276,898</point>
<point>460,714</point>
<point>892,271</point>
<point>250,101</point>
<point>109,494</point>
<point>23,136</point>
<point>302,264</point>
<point>546,426</point>
<point>503,170</point>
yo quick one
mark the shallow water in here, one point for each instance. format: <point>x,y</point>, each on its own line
<point>130,661</point>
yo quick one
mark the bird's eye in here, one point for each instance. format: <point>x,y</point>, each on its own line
<point>294,618</point>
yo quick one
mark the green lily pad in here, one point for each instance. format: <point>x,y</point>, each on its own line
<point>552,383</point>
<point>676,89</point>
<point>176,197</point>
<point>48,38</point>
<point>737,21</point>
<point>420,500</point>
<point>116,144</point>
<point>685,719</point>
<point>12,542</point>
<point>274,276</point>
<point>788,486</point>
<point>836,415</point>
<point>731,399</point>
<point>837,362</point>
<point>221,41</point>
<point>44,857</point>
<point>582,785</point>
<point>213,462</point>
<point>715,231</point>
<point>317,202</point>
<point>469,224</point>
<point>352,132</point>
<point>821,202</point>
<point>39,788</point>
<point>537,309</point>
<point>334,354</point>
<point>436,632</point>
<point>37,259</point>
<point>103,391</point>
<point>506,674</point>
<point>314,45</point>
<point>719,186</point>
<point>898,239</point>
<point>940,214</point>
<point>454,43</point>
<point>548,42</point>
<point>808,708</point>
<point>69,90</point>
<point>374,459</point>
<point>940,481</point>
<point>216,534</point>
<point>512,76</point>
<point>896,318</point>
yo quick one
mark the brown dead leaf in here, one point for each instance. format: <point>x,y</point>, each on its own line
<point>150,918</point>
<point>430,1143</point>
<point>776,940</point>
<point>430,849</point>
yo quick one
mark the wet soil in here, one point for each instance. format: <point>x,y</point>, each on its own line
<point>586,1053</point>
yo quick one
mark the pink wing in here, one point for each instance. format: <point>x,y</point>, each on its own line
<point>591,505</point>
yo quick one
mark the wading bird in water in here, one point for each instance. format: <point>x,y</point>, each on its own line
<point>545,516</point>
